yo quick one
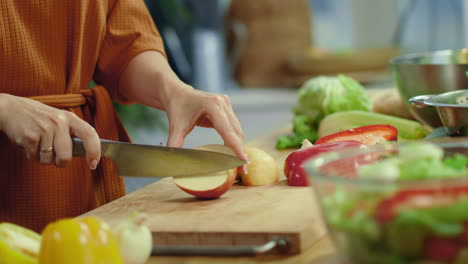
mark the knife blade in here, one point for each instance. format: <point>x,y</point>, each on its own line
<point>137,160</point>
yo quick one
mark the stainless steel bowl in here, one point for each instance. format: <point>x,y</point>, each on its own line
<point>452,108</point>
<point>430,73</point>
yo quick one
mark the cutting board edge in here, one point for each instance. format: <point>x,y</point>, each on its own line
<point>227,239</point>
<point>307,240</point>
<point>299,242</point>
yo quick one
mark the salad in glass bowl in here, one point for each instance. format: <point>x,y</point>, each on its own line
<point>396,203</point>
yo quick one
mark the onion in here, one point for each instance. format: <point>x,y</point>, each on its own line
<point>135,239</point>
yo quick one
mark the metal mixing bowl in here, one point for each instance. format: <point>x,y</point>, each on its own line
<point>452,108</point>
<point>430,73</point>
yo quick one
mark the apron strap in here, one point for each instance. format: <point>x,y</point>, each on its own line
<point>64,100</point>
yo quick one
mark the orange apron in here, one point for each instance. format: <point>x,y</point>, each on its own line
<point>32,194</point>
<point>51,50</point>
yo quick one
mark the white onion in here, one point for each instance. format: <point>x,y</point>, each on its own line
<point>135,239</point>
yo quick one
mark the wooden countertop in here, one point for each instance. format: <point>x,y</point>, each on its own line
<point>321,252</point>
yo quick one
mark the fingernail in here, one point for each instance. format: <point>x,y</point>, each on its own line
<point>93,164</point>
<point>246,158</point>
<point>244,169</point>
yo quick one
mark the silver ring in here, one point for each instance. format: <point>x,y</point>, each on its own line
<point>47,150</point>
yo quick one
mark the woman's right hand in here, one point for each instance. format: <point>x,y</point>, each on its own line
<point>36,127</point>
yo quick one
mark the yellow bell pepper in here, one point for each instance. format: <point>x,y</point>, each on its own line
<point>18,245</point>
<point>79,241</point>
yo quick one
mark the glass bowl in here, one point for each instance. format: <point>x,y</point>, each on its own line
<point>373,216</point>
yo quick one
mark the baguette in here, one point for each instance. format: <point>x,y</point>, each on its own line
<point>391,103</point>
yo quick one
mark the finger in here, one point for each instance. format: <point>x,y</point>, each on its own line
<point>178,130</point>
<point>62,144</point>
<point>228,126</point>
<point>46,150</point>
<point>90,138</point>
<point>30,144</point>
<point>222,124</point>
<point>232,117</point>
<point>241,153</point>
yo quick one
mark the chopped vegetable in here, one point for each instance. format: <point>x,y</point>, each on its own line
<point>393,223</point>
<point>368,135</point>
<point>422,199</point>
<point>406,237</point>
<point>407,129</point>
<point>441,249</point>
<point>462,256</point>
<point>418,161</point>
<point>82,240</point>
<point>319,97</point>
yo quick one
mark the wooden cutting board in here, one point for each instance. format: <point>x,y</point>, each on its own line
<point>242,216</point>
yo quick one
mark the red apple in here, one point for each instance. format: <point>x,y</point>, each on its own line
<point>211,185</point>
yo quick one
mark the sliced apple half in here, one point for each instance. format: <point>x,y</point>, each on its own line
<point>211,185</point>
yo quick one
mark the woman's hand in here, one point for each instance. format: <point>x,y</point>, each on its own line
<point>149,80</point>
<point>188,108</point>
<point>44,132</point>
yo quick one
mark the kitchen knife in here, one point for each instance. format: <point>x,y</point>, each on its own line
<point>136,160</point>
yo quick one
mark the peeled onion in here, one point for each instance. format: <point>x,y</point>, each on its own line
<point>135,239</point>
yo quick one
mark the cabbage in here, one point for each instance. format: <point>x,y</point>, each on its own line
<point>323,95</point>
<point>319,97</point>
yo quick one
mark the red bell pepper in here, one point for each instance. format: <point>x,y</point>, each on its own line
<point>388,209</point>
<point>293,165</point>
<point>436,248</point>
<point>368,135</point>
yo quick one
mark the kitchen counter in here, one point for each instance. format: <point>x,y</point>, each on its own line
<point>321,250</point>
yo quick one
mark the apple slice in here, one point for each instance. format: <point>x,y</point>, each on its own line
<point>211,185</point>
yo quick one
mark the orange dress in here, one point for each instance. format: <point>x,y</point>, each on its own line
<point>50,50</point>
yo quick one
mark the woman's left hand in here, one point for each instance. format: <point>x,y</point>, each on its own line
<point>189,108</point>
<point>149,80</point>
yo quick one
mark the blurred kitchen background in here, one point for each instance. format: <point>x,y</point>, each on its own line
<point>260,51</point>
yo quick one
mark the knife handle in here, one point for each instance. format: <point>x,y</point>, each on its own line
<point>80,151</point>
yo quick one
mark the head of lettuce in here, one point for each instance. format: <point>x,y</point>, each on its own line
<point>319,97</point>
<point>324,95</point>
